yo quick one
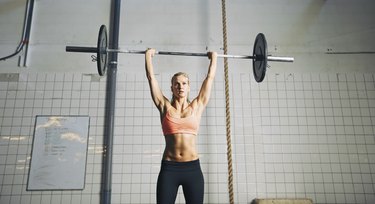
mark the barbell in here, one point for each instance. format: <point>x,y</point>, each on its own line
<point>260,55</point>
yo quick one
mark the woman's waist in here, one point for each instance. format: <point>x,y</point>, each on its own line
<point>178,155</point>
<point>180,166</point>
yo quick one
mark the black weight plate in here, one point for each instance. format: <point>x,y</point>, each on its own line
<point>102,50</point>
<point>260,54</point>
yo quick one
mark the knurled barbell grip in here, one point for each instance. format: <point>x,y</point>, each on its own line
<point>162,53</point>
<point>159,52</point>
<point>180,53</point>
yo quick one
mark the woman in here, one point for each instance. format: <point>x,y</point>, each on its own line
<point>180,122</point>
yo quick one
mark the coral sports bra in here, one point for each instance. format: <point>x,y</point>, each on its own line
<point>172,125</point>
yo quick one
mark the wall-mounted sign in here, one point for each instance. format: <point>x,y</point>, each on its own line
<point>59,153</point>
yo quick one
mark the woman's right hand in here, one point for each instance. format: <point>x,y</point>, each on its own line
<point>150,52</point>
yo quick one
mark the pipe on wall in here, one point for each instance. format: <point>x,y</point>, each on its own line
<point>25,33</point>
<point>114,28</point>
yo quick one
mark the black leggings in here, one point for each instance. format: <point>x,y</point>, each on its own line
<point>173,174</point>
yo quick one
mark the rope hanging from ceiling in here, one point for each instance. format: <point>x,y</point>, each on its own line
<point>227,107</point>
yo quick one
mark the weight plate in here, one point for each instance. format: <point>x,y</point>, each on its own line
<point>102,50</point>
<point>260,57</point>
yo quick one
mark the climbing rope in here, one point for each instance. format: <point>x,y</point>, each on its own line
<point>227,107</point>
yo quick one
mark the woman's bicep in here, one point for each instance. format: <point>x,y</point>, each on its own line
<point>156,93</point>
<point>205,91</point>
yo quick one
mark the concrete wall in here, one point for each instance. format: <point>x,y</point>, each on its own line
<point>303,29</point>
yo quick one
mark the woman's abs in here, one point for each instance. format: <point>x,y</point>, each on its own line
<point>180,148</point>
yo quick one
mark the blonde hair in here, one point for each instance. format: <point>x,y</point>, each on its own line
<point>174,78</point>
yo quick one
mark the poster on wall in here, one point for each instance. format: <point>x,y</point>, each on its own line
<point>59,153</point>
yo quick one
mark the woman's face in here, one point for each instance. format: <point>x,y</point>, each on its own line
<point>180,87</point>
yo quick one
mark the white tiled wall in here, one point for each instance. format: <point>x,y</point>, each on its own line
<point>293,135</point>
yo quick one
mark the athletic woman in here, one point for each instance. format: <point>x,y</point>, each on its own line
<point>180,120</point>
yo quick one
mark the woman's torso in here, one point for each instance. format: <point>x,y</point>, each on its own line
<point>181,146</point>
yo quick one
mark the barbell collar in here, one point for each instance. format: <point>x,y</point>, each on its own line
<point>280,59</point>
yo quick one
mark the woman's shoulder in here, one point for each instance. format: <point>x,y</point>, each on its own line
<point>196,106</point>
<point>167,105</point>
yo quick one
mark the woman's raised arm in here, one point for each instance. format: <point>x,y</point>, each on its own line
<point>205,91</point>
<point>156,93</point>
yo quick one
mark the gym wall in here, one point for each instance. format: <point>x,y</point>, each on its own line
<point>307,131</point>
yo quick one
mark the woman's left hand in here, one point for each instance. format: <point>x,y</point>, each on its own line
<point>212,55</point>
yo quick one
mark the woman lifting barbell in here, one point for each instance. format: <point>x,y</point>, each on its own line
<point>180,123</point>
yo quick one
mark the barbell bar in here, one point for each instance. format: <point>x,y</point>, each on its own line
<point>260,55</point>
<point>195,54</point>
